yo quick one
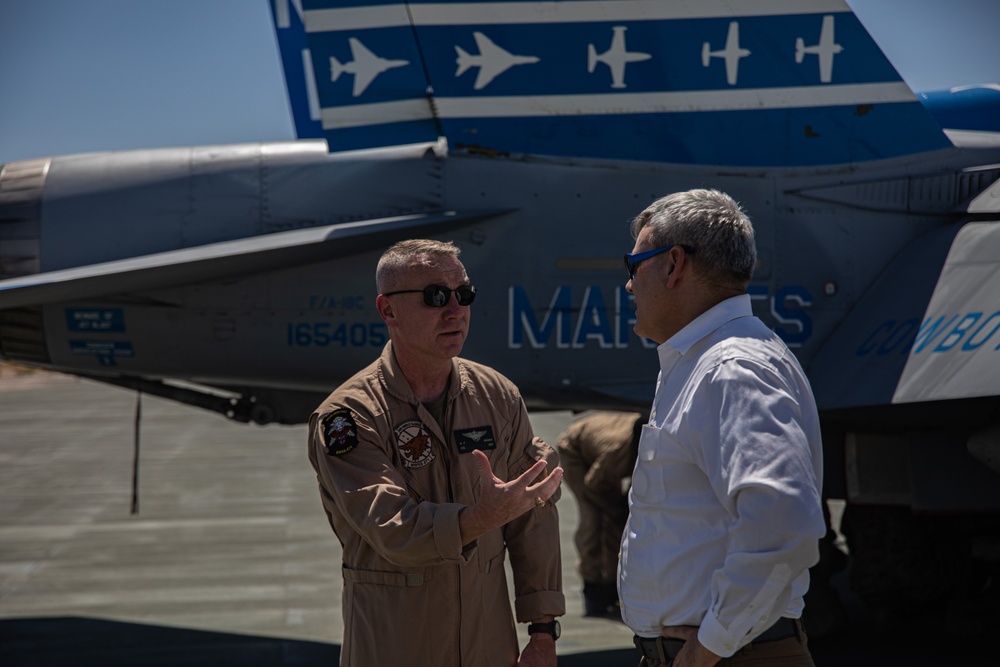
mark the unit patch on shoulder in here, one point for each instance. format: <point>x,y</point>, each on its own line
<point>480,437</point>
<point>414,444</point>
<point>340,433</point>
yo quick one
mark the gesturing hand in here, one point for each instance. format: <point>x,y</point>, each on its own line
<point>500,502</point>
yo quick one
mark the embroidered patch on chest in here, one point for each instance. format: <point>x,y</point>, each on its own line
<point>480,437</point>
<point>340,433</point>
<point>414,444</point>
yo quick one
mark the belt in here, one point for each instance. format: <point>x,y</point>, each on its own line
<point>650,647</point>
<point>782,629</point>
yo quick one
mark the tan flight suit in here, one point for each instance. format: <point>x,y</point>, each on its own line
<point>597,453</point>
<point>392,484</point>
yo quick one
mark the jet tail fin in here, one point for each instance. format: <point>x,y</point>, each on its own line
<point>464,61</point>
<point>336,69</point>
<point>783,95</point>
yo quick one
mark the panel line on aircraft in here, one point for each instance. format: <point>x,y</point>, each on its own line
<point>510,13</point>
<point>761,99</point>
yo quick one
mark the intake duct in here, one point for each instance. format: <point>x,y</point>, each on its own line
<point>21,185</point>
<point>22,333</point>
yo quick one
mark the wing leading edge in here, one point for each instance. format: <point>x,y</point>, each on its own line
<point>226,259</point>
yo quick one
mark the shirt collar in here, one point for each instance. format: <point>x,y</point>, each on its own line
<point>396,383</point>
<point>721,313</point>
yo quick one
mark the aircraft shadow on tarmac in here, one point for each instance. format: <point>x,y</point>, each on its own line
<point>88,642</point>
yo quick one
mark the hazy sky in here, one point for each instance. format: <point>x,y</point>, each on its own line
<point>90,75</point>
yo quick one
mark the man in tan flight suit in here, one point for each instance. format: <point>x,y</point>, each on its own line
<point>598,454</point>
<point>429,473</point>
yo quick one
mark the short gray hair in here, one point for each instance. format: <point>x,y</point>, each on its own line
<point>712,223</point>
<point>408,254</point>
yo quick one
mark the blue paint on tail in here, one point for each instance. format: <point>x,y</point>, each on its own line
<point>614,80</point>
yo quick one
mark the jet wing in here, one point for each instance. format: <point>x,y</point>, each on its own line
<point>364,66</point>
<point>488,66</point>
<point>227,259</point>
<point>826,50</point>
<point>732,53</point>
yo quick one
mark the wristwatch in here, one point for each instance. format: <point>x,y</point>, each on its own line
<point>551,628</point>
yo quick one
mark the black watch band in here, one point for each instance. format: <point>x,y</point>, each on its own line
<point>551,628</point>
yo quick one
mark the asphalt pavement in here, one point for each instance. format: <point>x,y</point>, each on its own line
<point>229,559</point>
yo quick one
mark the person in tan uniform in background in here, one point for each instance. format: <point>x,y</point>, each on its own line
<point>430,474</point>
<point>598,453</point>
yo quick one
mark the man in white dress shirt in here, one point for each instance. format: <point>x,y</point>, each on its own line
<point>725,510</point>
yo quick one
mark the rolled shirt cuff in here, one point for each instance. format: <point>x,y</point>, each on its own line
<point>717,639</point>
<point>541,603</point>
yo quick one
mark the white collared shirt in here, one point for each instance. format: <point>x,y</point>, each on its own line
<point>725,509</point>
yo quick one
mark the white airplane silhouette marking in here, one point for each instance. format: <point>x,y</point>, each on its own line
<point>615,57</point>
<point>732,53</point>
<point>492,60</point>
<point>365,66</point>
<point>826,50</point>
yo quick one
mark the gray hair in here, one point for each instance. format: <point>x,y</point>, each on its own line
<point>712,223</point>
<point>406,255</point>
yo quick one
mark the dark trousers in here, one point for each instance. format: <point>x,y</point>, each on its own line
<point>788,652</point>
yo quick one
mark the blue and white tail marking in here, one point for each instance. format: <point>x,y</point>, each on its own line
<point>365,66</point>
<point>731,54</point>
<point>491,60</point>
<point>800,82</point>
<point>297,61</point>
<point>616,57</point>
<point>826,49</point>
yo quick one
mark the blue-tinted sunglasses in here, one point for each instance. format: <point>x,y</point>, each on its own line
<point>633,261</point>
<point>437,296</point>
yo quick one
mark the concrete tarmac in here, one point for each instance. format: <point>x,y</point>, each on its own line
<point>229,560</point>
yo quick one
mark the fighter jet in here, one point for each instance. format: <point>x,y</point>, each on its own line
<point>616,57</point>
<point>365,66</point>
<point>492,60</point>
<point>731,54</point>
<point>825,50</point>
<point>241,278</point>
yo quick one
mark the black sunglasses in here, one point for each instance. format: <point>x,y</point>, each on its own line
<point>437,296</point>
